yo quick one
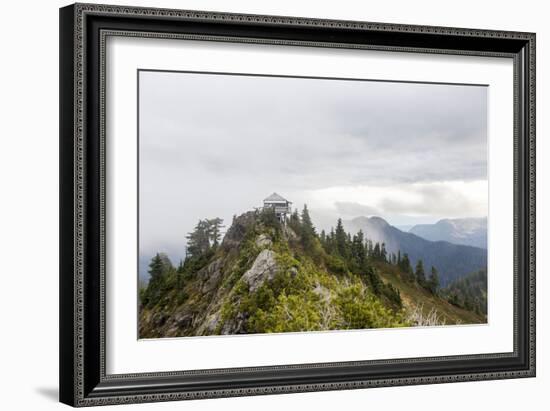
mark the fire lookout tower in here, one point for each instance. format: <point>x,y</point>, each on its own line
<point>280,205</point>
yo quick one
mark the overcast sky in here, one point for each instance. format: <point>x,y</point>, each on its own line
<point>217,145</point>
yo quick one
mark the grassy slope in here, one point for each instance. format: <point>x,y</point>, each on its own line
<point>413,295</point>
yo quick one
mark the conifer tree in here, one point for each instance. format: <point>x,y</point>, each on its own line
<point>358,250</point>
<point>198,241</point>
<point>179,273</point>
<point>341,239</point>
<point>214,230</point>
<point>180,266</point>
<point>433,282</point>
<point>330,241</point>
<point>307,231</point>
<point>376,252</point>
<point>323,238</point>
<point>156,267</point>
<point>369,248</point>
<point>383,252</point>
<point>405,266</point>
<point>374,280</point>
<point>419,273</point>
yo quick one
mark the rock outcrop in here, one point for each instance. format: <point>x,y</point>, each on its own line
<point>211,275</point>
<point>263,269</point>
<point>263,241</point>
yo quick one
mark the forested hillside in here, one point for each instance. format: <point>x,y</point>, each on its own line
<point>266,277</point>
<point>452,260</point>
<point>469,292</point>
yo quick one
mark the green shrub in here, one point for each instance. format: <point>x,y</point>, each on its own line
<point>335,264</point>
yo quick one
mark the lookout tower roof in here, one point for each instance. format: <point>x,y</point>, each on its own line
<point>276,198</point>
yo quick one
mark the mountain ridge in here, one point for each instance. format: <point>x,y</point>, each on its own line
<point>464,231</point>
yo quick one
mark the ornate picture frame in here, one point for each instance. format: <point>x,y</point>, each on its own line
<point>84,30</point>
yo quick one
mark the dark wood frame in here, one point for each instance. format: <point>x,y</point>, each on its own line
<point>83,29</point>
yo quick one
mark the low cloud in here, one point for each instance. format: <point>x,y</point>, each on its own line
<point>436,199</point>
<point>402,203</point>
<point>352,209</point>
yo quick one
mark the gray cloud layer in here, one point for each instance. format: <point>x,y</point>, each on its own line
<point>354,209</point>
<point>430,200</point>
<point>215,145</point>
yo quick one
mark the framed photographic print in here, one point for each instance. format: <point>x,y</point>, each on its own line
<point>261,204</point>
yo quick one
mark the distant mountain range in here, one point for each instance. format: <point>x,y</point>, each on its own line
<point>405,228</point>
<point>451,260</point>
<point>465,231</point>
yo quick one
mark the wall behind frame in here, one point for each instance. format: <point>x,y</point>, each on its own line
<point>29,206</point>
